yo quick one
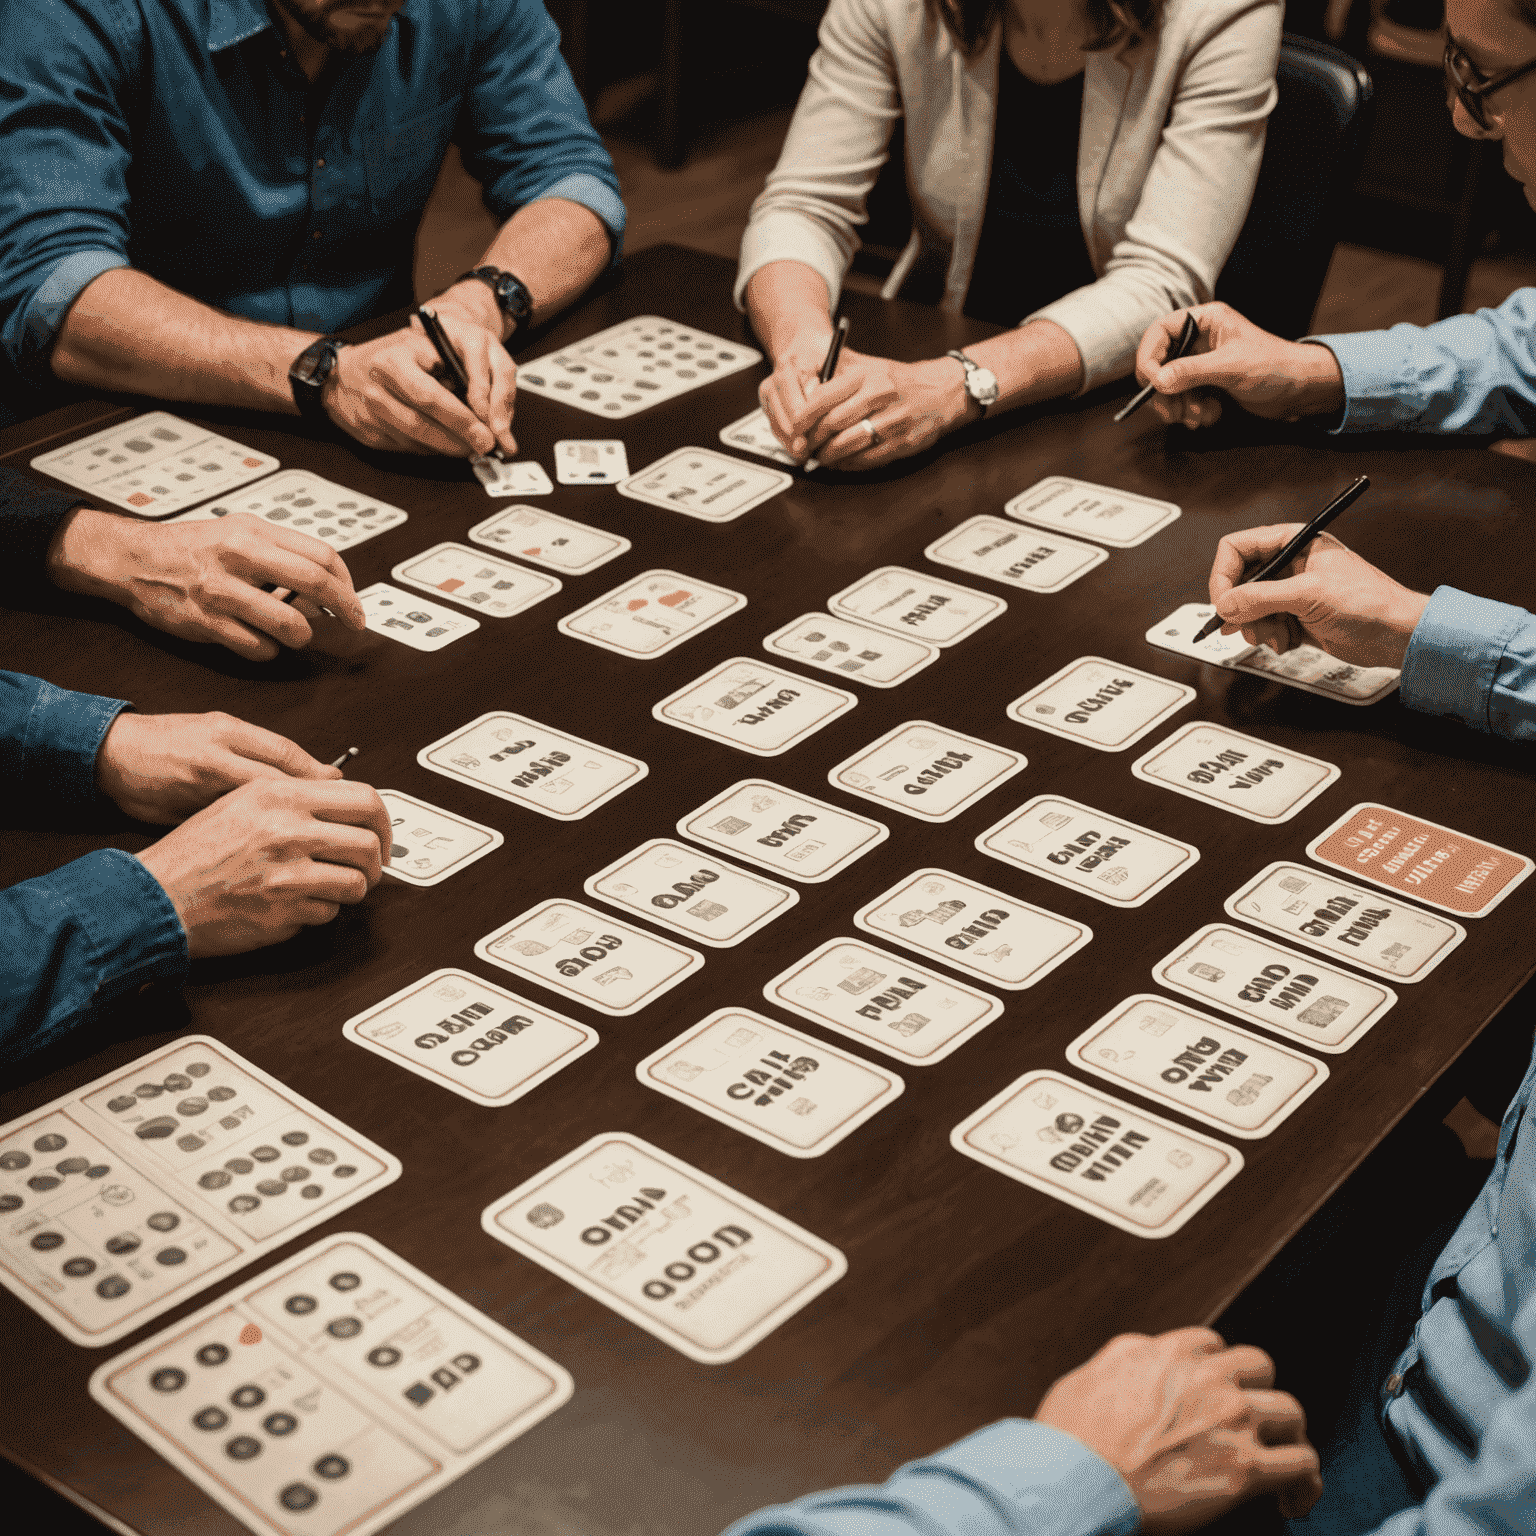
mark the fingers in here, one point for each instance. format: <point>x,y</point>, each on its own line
<point>252,744</point>
<point>350,804</point>
<point>1292,1470</point>
<point>1157,341</point>
<point>331,846</point>
<point>430,414</point>
<point>502,397</point>
<point>317,572</point>
<point>1237,551</point>
<point>1278,1418</point>
<point>811,421</point>
<point>1256,600</point>
<point>782,397</point>
<point>1249,1367</point>
<point>1297,1497</point>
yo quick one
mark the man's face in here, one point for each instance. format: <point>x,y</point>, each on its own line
<point>1494,40</point>
<point>348,26</point>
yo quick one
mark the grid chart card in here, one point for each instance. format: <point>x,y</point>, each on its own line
<point>304,502</point>
<point>429,843</point>
<point>752,433</point>
<point>883,1000</point>
<point>1135,1170</point>
<point>1282,990</point>
<point>632,366</point>
<point>1203,1067</point>
<point>927,771</point>
<point>651,614</point>
<point>475,1039</point>
<point>1241,774</point>
<point>847,649</point>
<point>543,770</point>
<point>1380,934</point>
<point>122,1199</point>
<point>1017,557</point>
<point>1005,942</point>
<point>698,482</point>
<point>681,1255</point>
<point>754,707</point>
<point>1100,703</point>
<point>1098,512</point>
<point>496,588</point>
<point>154,464</point>
<point>797,1095</point>
<point>411,620</point>
<point>545,539</point>
<point>331,1394</point>
<point>906,602</point>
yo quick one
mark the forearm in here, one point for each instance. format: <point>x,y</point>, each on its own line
<point>787,300</point>
<point>1036,361</point>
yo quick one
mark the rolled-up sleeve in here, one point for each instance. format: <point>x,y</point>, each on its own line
<point>49,738</point>
<point>1475,660</point>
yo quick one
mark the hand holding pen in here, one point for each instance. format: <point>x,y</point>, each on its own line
<point>477,371</point>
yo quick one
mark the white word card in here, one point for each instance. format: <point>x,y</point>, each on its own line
<point>884,1000</point>
<point>304,502</point>
<point>678,887</point>
<point>927,771</point>
<point>412,620</point>
<point>1135,1170</point>
<point>1113,861</point>
<point>471,1037</point>
<point>651,614</point>
<point>909,603</point>
<point>590,461</point>
<point>753,433</point>
<point>496,588</point>
<point>681,1255</point>
<point>633,365</point>
<point>851,650</point>
<point>1203,1067</point>
<point>782,830</point>
<point>427,843</point>
<point>1375,932</point>
<point>531,765</point>
<point>713,487</point>
<point>1020,557</point>
<point>588,955</point>
<point>154,464</point>
<point>754,707</point>
<point>122,1199</point>
<point>502,479</point>
<point>1251,778</point>
<point>1098,512</point>
<point>1287,992</point>
<point>1006,942</point>
<point>795,1094</point>
<point>1102,704</point>
<point>331,1394</point>
<point>554,542</point>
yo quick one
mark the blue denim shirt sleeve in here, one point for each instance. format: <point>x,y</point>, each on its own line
<point>1013,1478</point>
<point>1475,660</point>
<point>49,738</point>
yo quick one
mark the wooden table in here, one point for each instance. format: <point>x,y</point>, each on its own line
<point>966,1293</point>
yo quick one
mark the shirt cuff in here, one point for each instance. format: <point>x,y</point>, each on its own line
<point>50,302</point>
<point>593,193</point>
<point>62,735</point>
<point>1373,364</point>
<point>135,932</point>
<point>1452,662</point>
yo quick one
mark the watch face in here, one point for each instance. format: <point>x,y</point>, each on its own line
<point>983,385</point>
<point>314,364</point>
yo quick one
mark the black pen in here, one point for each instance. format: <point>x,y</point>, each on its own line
<point>346,757</point>
<point>1186,341</point>
<point>1271,569</point>
<point>834,351</point>
<point>455,380</point>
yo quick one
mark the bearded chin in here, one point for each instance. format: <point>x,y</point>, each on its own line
<point>362,39</point>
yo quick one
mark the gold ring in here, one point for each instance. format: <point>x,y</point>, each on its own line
<point>874,437</point>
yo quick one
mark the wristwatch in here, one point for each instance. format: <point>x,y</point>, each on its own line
<point>511,293</point>
<point>980,383</point>
<point>311,368</point>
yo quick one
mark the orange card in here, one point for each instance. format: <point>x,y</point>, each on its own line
<point>1433,864</point>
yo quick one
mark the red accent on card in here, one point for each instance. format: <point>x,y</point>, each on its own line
<point>250,1334</point>
<point>452,584</point>
<point>672,599</point>
<point>139,499</point>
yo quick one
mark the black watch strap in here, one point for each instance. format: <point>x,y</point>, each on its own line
<point>509,291</point>
<point>311,368</point>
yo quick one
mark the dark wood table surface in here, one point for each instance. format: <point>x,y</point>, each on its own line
<point>966,1293</point>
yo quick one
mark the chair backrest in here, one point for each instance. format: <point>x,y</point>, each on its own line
<point>1311,158</point>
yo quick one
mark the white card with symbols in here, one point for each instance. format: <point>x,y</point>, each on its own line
<point>1283,990</point>
<point>304,502</point>
<point>124,1198</point>
<point>1201,1066</point>
<point>704,899</point>
<point>883,1000</point>
<point>412,620</point>
<point>554,542</point>
<point>927,771</point>
<point>1133,1169</point>
<point>496,588</point>
<point>1099,512</point>
<point>475,1039</point>
<point>1375,931</point>
<point>782,830</point>
<point>589,955</point>
<point>590,461</point>
<point>1102,704</point>
<point>1006,942</point>
<point>651,614</point>
<point>677,1253</point>
<point>753,433</point>
<point>923,607</point>
<point>502,479</point>
<point>531,765</point>
<point>797,1095</point>
<point>1112,860</point>
<point>754,707</point>
<point>428,843</point>
<point>154,464</point>
<point>847,649</point>
<point>1020,557</point>
<point>1241,774</point>
<point>701,483</point>
<point>632,366</point>
<point>331,1394</point>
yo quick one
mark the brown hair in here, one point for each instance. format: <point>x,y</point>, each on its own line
<point>1111,22</point>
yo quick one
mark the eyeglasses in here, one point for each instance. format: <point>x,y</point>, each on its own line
<point>1471,92</point>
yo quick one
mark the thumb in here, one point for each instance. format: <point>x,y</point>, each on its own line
<point>1256,600</point>
<point>1185,373</point>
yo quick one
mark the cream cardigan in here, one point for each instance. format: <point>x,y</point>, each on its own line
<point>1171,138</point>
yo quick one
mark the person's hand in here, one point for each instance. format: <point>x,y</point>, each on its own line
<point>1269,377</point>
<point>1329,597</point>
<point>203,581</point>
<point>1193,1427</point>
<point>164,768</point>
<point>270,858</point>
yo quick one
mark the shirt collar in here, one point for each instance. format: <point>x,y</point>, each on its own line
<point>232,21</point>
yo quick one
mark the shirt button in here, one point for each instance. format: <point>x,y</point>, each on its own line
<point>316,235</point>
<point>320,164</point>
<point>1395,1383</point>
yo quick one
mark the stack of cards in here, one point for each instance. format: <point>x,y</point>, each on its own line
<point>1097,512</point>
<point>304,502</point>
<point>548,540</point>
<point>701,483</point>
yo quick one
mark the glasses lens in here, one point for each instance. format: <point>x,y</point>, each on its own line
<point>1461,77</point>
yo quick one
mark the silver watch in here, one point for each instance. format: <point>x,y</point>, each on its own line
<point>980,383</point>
